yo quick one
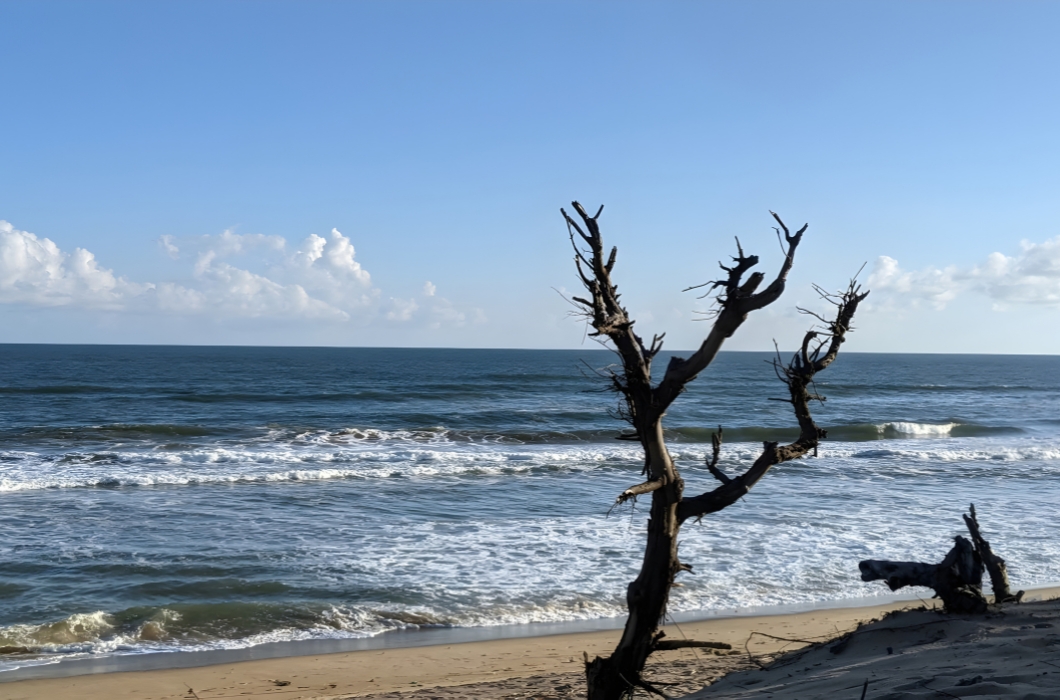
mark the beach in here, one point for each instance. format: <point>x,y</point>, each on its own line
<point>551,666</point>
<point>504,664</point>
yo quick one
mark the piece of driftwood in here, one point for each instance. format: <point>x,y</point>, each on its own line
<point>995,565</point>
<point>957,580</point>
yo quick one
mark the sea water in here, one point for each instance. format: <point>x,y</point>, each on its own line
<point>184,498</point>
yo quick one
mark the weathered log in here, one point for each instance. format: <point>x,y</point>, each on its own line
<point>995,565</point>
<point>957,580</point>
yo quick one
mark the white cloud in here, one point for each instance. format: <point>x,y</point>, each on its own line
<point>312,250</point>
<point>232,291</point>
<point>1031,277</point>
<point>340,258</point>
<point>228,244</point>
<point>169,246</point>
<point>433,310</point>
<point>225,275</point>
<point>321,279</point>
<point>443,313</point>
<point>35,271</point>
<point>402,309</point>
<point>936,286</point>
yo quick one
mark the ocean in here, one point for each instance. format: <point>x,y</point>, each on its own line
<point>172,499</point>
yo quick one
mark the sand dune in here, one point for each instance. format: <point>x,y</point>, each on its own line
<point>920,654</point>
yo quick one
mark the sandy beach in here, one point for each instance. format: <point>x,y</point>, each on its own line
<point>550,667</point>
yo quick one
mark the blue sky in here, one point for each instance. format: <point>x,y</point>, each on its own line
<point>391,173</point>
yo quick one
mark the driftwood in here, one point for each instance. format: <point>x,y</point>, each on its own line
<point>643,403</point>
<point>957,580</point>
<point>995,565</point>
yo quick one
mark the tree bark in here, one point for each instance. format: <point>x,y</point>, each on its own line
<point>994,564</point>
<point>958,579</point>
<point>644,406</point>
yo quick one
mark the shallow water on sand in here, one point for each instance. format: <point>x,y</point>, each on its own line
<point>164,498</point>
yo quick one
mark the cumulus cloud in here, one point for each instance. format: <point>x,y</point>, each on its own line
<point>224,275</point>
<point>938,287</point>
<point>1030,277</point>
<point>320,279</point>
<point>35,271</point>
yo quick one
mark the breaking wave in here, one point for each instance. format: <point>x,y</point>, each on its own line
<point>235,625</point>
<point>376,455</point>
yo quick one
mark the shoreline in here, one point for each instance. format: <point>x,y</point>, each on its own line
<point>401,669</point>
<point>44,667</point>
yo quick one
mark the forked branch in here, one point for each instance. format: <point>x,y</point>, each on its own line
<point>738,295</point>
<point>737,298</point>
<point>798,376</point>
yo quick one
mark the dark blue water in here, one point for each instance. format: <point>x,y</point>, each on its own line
<point>168,498</point>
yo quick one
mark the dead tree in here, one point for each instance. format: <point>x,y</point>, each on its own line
<point>643,404</point>
<point>957,580</point>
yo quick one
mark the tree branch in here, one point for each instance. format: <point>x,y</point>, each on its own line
<point>639,490</point>
<point>712,463</point>
<point>669,644</point>
<point>798,375</point>
<point>994,564</point>
<point>610,319</point>
<point>736,301</point>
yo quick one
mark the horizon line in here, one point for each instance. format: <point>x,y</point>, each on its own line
<point>498,349</point>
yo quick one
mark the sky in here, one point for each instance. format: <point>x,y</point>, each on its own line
<point>391,173</point>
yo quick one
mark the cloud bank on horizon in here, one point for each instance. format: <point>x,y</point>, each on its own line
<point>1031,277</point>
<point>319,280</point>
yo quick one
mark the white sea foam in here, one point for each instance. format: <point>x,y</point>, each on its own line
<point>784,545</point>
<point>485,573</point>
<point>270,462</point>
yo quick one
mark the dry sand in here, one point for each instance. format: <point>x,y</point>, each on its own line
<point>925,644</point>
<point>1012,653</point>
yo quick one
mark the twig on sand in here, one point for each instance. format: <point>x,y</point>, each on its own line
<point>746,645</point>
<point>789,639</point>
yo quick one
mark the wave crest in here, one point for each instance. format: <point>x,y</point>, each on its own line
<point>908,429</point>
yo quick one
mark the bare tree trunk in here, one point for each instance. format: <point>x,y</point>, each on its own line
<point>644,406</point>
<point>646,599</point>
